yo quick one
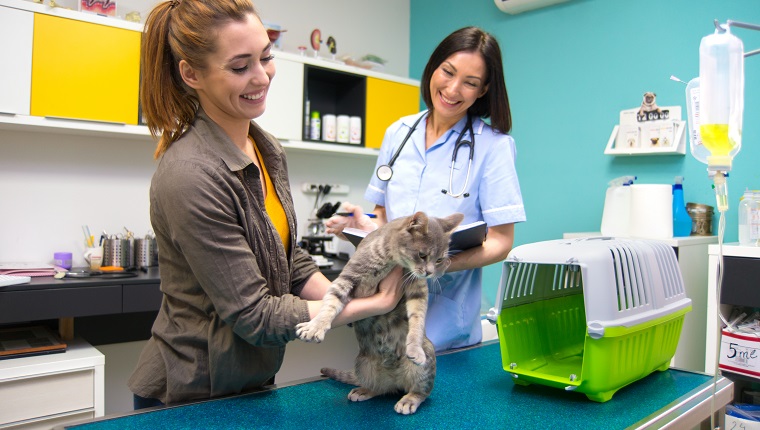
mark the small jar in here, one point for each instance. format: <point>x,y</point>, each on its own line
<point>62,260</point>
<point>749,218</point>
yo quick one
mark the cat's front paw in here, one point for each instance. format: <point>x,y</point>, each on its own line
<point>416,354</point>
<point>311,331</point>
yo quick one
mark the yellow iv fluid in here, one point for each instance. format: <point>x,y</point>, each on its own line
<point>715,139</point>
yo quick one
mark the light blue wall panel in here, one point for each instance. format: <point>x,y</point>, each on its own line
<point>571,69</point>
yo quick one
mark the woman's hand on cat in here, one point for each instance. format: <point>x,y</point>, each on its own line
<point>390,289</point>
<point>359,220</point>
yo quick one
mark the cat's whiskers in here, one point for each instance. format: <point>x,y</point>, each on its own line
<point>408,278</point>
<point>436,286</point>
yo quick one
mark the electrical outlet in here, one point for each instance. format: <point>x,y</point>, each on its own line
<point>313,188</point>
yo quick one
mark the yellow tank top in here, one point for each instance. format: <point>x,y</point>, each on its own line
<point>273,205</point>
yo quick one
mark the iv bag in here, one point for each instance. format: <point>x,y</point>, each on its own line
<point>721,99</point>
<point>692,116</point>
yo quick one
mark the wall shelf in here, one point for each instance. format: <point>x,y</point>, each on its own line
<point>300,146</point>
<point>678,148</point>
<point>29,123</point>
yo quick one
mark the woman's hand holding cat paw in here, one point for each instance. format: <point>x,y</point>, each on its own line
<point>310,332</point>
<point>416,354</point>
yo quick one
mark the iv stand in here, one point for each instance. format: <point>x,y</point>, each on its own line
<point>748,26</point>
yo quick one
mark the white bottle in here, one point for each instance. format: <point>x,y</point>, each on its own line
<point>355,130</point>
<point>616,215</point>
<point>328,128</point>
<point>749,219</point>
<point>343,128</point>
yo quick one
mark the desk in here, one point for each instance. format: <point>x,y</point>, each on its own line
<point>46,298</point>
<point>471,391</point>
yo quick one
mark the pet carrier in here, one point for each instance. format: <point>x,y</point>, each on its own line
<point>589,315</point>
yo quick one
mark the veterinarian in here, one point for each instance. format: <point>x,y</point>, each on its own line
<point>462,84</point>
<point>234,284</point>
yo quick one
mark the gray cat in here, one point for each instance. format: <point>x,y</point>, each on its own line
<point>394,353</point>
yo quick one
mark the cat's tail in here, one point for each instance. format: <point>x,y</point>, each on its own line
<point>344,376</point>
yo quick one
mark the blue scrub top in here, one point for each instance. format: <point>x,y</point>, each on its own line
<point>419,175</point>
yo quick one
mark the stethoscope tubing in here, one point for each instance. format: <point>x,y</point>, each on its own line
<point>385,172</point>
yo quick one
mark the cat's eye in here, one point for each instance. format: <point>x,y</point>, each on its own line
<point>439,261</point>
<point>423,256</point>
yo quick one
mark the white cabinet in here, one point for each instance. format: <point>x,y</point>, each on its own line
<point>16,30</point>
<point>47,390</point>
<point>283,116</point>
<point>740,267</point>
<point>692,252</point>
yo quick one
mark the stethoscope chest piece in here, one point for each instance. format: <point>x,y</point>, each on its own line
<point>384,172</point>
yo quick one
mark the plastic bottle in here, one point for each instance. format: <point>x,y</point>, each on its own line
<point>749,218</point>
<point>681,218</point>
<point>617,207</point>
<point>316,126</point>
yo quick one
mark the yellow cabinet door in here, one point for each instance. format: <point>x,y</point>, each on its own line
<point>84,71</point>
<point>387,102</point>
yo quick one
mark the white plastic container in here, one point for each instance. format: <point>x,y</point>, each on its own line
<point>355,130</point>
<point>343,128</point>
<point>616,215</point>
<point>329,128</point>
<point>749,219</point>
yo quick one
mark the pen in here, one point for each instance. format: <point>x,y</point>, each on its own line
<point>371,215</point>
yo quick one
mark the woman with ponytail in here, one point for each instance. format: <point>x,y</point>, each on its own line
<point>234,282</point>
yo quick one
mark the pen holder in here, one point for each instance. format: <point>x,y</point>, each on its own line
<point>145,252</point>
<point>116,253</point>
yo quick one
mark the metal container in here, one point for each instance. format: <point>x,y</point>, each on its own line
<point>701,219</point>
<point>117,252</point>
<point>146,253</point>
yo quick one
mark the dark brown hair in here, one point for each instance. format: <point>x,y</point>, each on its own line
<point>495,103</point>
<point>179,30</point>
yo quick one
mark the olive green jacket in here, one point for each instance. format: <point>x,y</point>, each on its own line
<point>229,288</point>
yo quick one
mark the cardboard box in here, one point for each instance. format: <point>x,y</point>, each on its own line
<point>740,353</point>
<point>741,423</point>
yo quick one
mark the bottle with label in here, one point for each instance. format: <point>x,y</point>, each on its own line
<point>681,218</point>
<point>749,218</point>
<point>306,120</point>
<point>315,132</point>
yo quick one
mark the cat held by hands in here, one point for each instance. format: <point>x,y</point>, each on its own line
<point>394,353</point>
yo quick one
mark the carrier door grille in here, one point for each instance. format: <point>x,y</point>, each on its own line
<point>527,282</point>
<point>631,278</point>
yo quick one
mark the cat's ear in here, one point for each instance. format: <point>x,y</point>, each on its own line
<point>451,222</point>
<point>418,222</point>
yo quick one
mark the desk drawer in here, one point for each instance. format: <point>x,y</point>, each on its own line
<point>43,395</point>
<point>141,298</point>
<point>35,305</point>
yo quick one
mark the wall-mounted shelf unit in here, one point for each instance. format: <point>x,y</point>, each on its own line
<point>677,148</point>
<point>330,86</point>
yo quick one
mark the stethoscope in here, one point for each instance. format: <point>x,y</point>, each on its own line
<point>385,172</point>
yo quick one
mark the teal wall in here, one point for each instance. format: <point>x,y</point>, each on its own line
<point>570,70</point>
